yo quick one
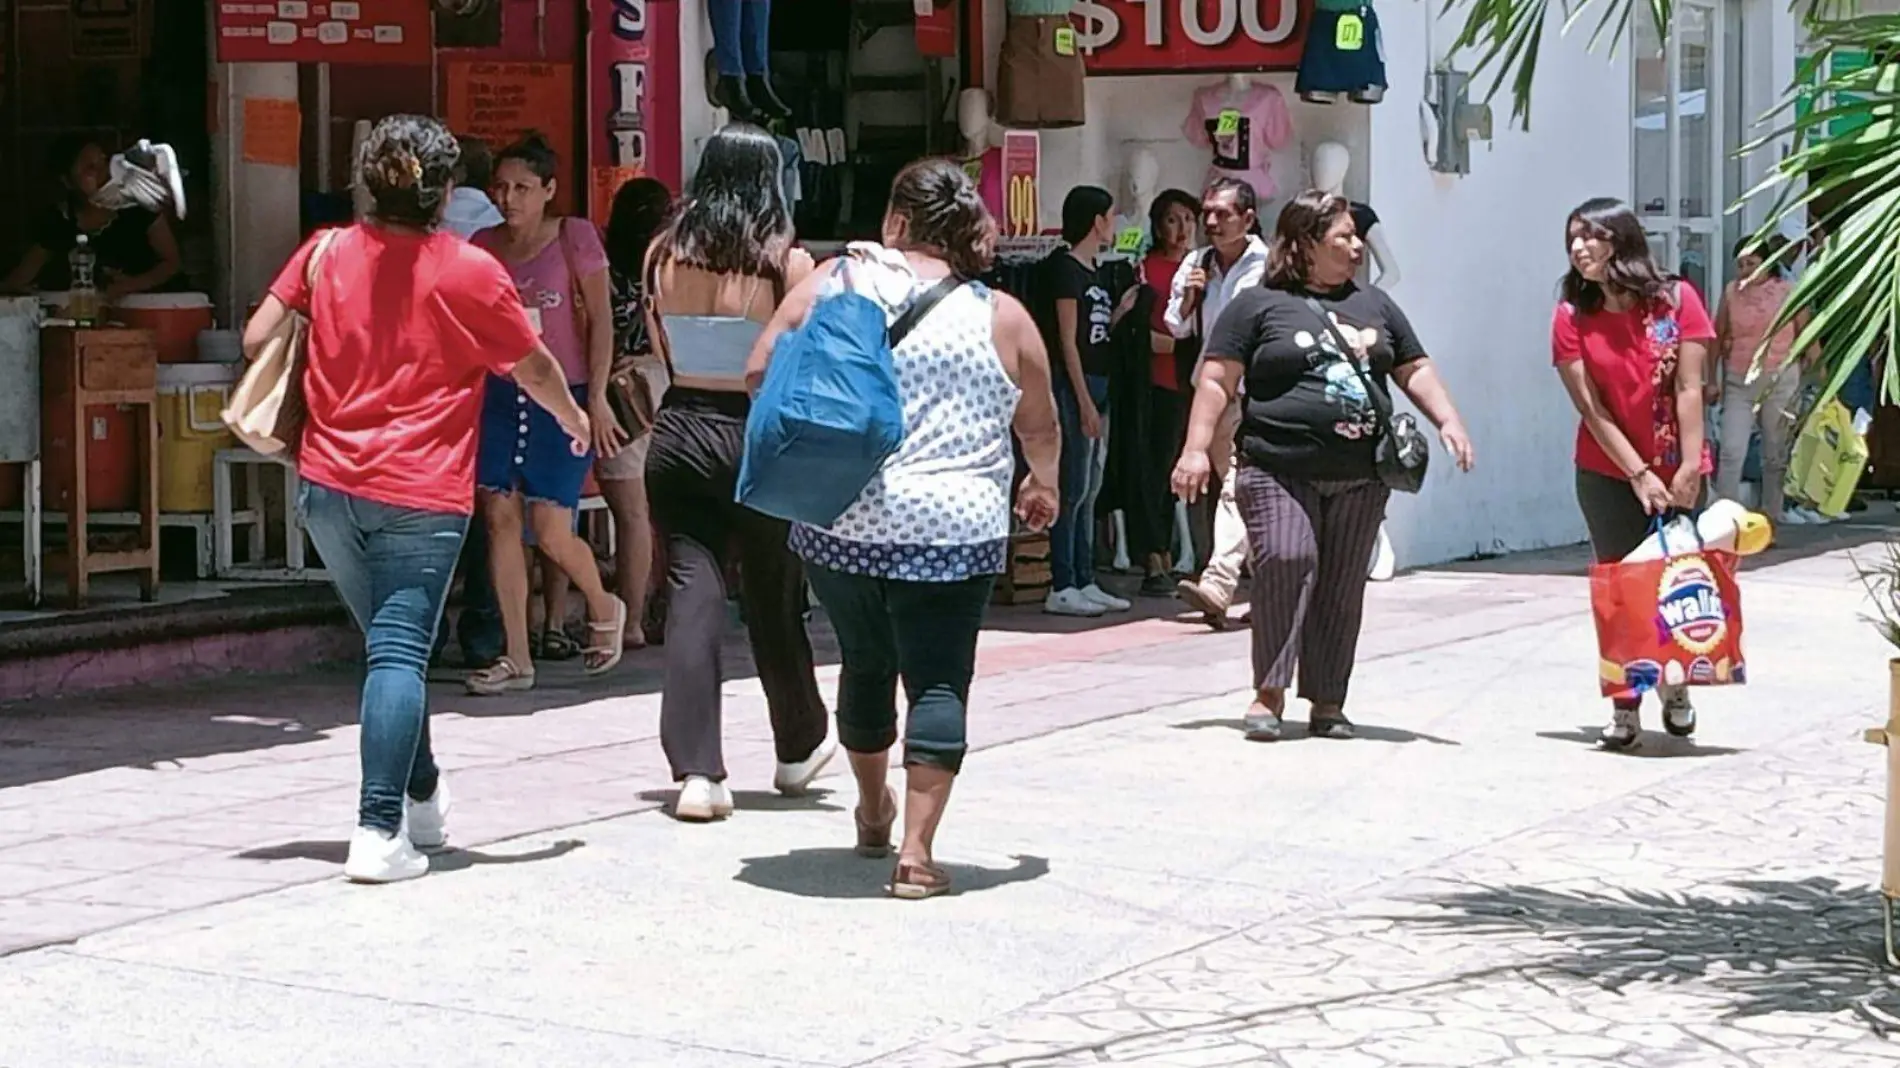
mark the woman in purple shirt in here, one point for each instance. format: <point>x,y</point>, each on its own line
<point>527,471</point>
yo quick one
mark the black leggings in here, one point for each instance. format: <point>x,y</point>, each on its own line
<point>692,466</point>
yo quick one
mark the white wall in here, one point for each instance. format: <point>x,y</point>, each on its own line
<point>1482,256</point>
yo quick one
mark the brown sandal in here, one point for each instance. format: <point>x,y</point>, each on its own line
<point>874,839</point>
<point>914,882</point>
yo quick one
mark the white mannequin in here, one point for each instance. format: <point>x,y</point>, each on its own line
<point>1239,84</point>
<point>1331,161</point>
<point>1144,180</point>
<point>980,132</point>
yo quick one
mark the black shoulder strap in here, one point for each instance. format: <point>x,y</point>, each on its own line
<point>921,307</point>
<point>1381,404</point>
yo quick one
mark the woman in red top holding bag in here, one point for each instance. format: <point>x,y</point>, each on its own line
<point>407,321</point>
<point>1630,344</point>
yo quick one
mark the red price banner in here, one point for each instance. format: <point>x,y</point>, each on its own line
<point>1022,174</point>
<point>1203,36</point>
<point>361,32</point>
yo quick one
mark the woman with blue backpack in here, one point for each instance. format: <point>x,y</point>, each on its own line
<point>713,277</point>
<point>906,568</point>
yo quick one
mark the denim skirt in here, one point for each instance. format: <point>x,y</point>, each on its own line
<point>523,450</point>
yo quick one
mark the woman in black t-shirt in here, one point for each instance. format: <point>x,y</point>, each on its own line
<point>1306,482</point>
<point>134,248</point>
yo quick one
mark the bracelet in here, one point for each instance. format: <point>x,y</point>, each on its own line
<point>1646,469</point>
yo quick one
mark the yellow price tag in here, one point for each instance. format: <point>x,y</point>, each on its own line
<point>1350,34</point>
<point>1227,123</point>
<point>1065,40</point>
<point>1129,239</point>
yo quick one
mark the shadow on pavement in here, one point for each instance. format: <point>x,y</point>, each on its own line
<point>1812,946</point>
<point>812,800</point>
<point>839,873</point>
<point>1654,745</point>
<point>1363,732</point>
<point>441,860</point>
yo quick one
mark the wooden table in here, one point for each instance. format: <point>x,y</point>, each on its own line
<point>82,367</point>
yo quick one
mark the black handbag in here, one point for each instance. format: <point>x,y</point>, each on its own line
<point>1403,452</point>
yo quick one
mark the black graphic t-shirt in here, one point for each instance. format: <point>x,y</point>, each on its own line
<point>1070,279</point>
<point>1306,411</point>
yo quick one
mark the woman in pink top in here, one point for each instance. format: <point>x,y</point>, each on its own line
<point>526,473</point>
<point>1750,305</point>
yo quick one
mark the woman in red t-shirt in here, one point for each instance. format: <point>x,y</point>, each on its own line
<point>1172,220</point>
<point>1630,344</point>
<point>406,322</point>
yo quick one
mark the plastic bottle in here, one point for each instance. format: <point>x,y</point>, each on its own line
<point>82,296</point>
<point>1722,527</point>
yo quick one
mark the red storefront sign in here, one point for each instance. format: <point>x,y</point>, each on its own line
<point>394,32</point>
<point>633,111</point>
<point>1183,36</point>
<point>1022,177</point>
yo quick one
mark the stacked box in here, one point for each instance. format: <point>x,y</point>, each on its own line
<point>1027,577</point>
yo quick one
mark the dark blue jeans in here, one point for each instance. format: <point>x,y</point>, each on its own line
<point>923,633</point>
<point>391,566</point>
<point>1084,464</point>
<point>741,35</point>
<point>478,628</point>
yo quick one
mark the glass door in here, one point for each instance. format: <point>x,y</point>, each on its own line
<point>1678,138</point>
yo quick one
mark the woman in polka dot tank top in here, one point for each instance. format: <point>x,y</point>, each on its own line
<point>906,572</point>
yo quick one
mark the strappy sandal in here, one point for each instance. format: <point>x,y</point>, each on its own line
<point>874,839</point>
<point>613,649</point>
<point>502,676</point>
<point>914,882</point>
<point>556,645</point>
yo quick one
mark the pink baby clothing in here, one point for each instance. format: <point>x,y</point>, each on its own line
<point>1255,124</point>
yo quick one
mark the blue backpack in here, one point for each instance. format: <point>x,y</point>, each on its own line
<point>828,414</point>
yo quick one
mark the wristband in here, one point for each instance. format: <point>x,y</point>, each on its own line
<point>1646,469</point>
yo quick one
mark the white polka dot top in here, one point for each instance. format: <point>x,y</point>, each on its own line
<point>938,510</point>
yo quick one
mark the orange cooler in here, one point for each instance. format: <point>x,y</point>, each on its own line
<point>177,319</point>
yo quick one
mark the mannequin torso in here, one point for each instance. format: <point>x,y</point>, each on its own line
<point>1331,161</point>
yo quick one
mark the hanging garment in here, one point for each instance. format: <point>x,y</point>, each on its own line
<point>1039,80</point>
<point>1242,130</point>
<point>1344,56</point>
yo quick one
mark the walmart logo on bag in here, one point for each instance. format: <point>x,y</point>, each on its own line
<point>1689,609</point>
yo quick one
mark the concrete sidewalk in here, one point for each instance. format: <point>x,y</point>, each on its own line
<point>1470,883</point>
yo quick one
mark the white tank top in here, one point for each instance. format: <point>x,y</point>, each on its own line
<point>938,510</point>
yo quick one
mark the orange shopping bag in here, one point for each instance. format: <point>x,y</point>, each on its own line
<point>1674,621</point>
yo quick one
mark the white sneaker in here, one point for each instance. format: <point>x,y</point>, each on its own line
<point>702,800</point>
<point>1679,714</point>
<point>1071,602</point>
<point>1792,517</point>
<point>793,779</point>
<point>428,820</point>
<point>379,858</point>
<point>1809,515</point>
<point>1107,600</point>
<point>1626,726</point>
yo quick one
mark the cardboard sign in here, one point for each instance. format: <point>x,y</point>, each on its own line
<point>500,102</point>
<point>273,132</point>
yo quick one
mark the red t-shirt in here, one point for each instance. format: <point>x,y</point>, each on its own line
<point>1157,273</point>
<point>1621,363</point>
<point>404,330</point>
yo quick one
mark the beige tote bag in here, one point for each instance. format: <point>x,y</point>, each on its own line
<point>267,407</point>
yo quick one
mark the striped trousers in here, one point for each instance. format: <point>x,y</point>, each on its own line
<point>1310,541</point>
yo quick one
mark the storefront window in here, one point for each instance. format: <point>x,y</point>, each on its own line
<point>1652,117</point>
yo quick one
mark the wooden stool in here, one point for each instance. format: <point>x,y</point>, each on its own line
<point>81,368</point>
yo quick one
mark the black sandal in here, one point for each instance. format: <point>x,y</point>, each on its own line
<point>1335,726</point>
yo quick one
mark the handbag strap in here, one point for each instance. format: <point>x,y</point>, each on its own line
<point>575,296</point>
<point>922,306</point>
<point>1381,403</point>
<point>317,254</point>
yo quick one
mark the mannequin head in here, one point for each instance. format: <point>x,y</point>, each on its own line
<point>1331,160</point>
<point>1144,178</point>
<point>1238,83</point>
<point>973,120</point>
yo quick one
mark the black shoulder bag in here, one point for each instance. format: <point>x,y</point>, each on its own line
<point>1403,452</point>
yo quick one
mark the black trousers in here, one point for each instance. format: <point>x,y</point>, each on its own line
<point>1150,512</point>
<point>692,467</point>
<point>1310,541</point>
